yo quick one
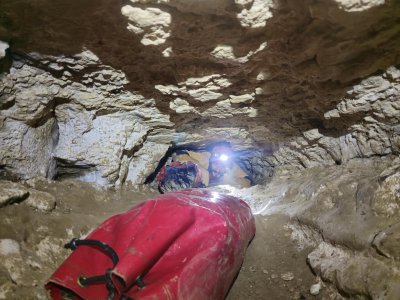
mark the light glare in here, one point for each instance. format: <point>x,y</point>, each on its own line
<point>224,157</point>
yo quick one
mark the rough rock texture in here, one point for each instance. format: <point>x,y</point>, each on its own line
<point>316,79</point>
<point>368,116</point>
<point>349,217</point>
<point>306,90</point>
<point>89,128</point>
<point>41,201</point>
<point>341,220</point>
<point>31,240</point>
<point>12,192</point>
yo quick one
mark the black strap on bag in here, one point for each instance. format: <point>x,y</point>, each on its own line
<point>106,278</point>
<point>84,281</point>
<point>74,243</point>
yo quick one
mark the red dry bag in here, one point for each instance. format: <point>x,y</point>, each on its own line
<point>186,245</point>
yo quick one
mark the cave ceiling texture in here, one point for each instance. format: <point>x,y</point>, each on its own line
<point>288,78</point>
<point>307,93</point>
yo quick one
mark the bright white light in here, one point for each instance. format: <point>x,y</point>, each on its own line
<point>214,197</point>
<point>224,157</point>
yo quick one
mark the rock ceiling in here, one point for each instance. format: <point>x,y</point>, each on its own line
<point>101,89</point>
<point>259,72</point>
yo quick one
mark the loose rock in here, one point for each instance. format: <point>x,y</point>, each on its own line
<point>41,201</point>
<point>11,192</point>
<point>3,47</point>
<point>315,289</point>
<point>287,276</point>
<point>9,247</point>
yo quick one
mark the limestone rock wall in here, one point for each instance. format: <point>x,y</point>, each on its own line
<point>107,88</point>
<point>357,252</point>
<point>368,116</point>
<point>100,90</point>
<point>53,123</point>
<point>347,216</point>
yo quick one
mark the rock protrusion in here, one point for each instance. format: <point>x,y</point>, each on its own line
<point>11,192</point>
<point>41,201</point>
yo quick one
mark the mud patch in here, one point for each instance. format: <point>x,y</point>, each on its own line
<point>276,267</point>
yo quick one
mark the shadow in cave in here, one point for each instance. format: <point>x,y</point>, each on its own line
<point>307,77</point>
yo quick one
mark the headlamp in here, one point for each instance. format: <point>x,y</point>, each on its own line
<point>223,157</point>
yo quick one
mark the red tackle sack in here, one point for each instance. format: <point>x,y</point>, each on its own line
<point>186,245</point>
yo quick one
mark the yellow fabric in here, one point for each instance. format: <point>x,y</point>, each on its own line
<point>202,157</point>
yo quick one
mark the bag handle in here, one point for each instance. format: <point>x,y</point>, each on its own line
<point>74,243</point>
<point>106,278</point>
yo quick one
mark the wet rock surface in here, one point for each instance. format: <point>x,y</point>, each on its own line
<point>275,268</point>
<point>332,213</point>
<point>41,201</point>
<point>33,232</point>
<point>12,192</point>
<point>316,83</point>
<point>308,92</point>
<point>318,233</point>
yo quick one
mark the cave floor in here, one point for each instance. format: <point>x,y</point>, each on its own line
<point>274,267</point>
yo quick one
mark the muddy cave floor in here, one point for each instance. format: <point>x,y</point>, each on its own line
<point>275,265</point>
<point>273,269</point>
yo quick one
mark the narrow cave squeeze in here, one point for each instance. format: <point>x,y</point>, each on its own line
<point>292,106</point>
<point>206,165</point>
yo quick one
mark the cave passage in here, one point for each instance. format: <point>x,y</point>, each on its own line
<point>202,165</point>
<point>291,106</point>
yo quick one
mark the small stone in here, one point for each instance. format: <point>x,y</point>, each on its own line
<point>9,247</point>
<point>265,271</point>
<point>56,67</point>
<point>312,135</point>
<point>245,98</point>
<point>3,47</point>
<point>11,192</point>
<point>41,201</point>
<point>287,276</point>
<point>252,269</point>
<point>315,289</point>
<point>33,264</point>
